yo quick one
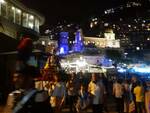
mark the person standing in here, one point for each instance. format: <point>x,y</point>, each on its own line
<point>132,86</point>
<point>27,99</point>
<point>96,90</point>
<point>118,94</point>
<point>139,97</point>
<point>58,94</point>
<point>82,100</point>
<point>72,88</point>
<point>127,94</point>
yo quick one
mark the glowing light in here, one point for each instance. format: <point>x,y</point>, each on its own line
<point>30,25</point>
<point>81,63</point>
<point>141,70</point>
<point>62,50</point>
<point>49,43</point>
<point>91,25</point>
<point>121,70</point>
<point>137,48</point>
<point>43,42</point>
<point>18,10</point>
<point>95,22</point>
<point>13,8</point>
<point>31,17</point>
<point>106,24</point>
<point>2,1</point>
<point>129,25</point>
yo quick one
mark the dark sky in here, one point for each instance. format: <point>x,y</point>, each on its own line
<point>70,10</point>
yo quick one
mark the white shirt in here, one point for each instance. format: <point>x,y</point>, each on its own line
<point>58,90</point>
<point>58,94</point>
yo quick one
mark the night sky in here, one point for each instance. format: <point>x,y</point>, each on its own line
<point>70,10</point>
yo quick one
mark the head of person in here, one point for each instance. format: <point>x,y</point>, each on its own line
<point>24,78</point>
<point>72,76</point>
<point>119,81</point>
<point>134,79</point>
<point>101,75</point>
<point>138,83</point>
<point>56,77</point>
<point>126,81</point>
<point>82,87</point>
<point>94,77</point>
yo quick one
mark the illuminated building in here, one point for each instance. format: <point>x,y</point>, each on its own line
<point>78,45</point>
<point>46,44</point>
<point>131,25</point>
<point>63,43</point>
<point>17,21</point>
<point>108,41</point>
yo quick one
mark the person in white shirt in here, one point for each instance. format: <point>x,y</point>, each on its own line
<point>96,90</point>
<point>58,93</point>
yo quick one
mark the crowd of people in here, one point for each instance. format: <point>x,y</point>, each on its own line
<point>78,91</point>
<point>81,91</point>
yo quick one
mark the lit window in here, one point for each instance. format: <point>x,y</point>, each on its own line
<point>2,1</point>
<point>17,16</point>
<point>18,10</point>
<point>11,12</point>
<point>3,8</point>
<point>30,25</point>
<point>37,24</point>
<point>25,19</point>
<point>31,21</point>
<point>31,17</point>
<point>13,8</point>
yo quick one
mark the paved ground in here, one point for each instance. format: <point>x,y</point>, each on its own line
<point>111,107</point>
